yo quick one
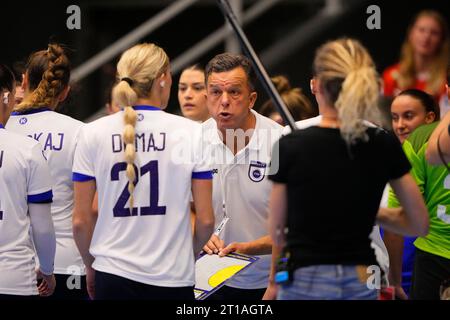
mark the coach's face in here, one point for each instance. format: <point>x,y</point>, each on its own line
<point>230,99</point>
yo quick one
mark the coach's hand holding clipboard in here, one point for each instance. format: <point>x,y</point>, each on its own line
<point>215,244</point>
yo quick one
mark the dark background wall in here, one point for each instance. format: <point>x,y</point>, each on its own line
<point>31,27</point>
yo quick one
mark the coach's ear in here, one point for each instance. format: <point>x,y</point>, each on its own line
<point>253,97</point>
<point>64,94</point>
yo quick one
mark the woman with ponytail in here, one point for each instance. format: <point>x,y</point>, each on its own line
<point>327,239</point>
<point>46,85</point>
<point>25,197</point>
<point>143,163</point>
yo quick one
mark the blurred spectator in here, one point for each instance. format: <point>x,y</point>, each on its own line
<point>297,103</point>
<point>424,58</point>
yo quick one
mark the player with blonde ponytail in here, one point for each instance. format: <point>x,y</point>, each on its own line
<point>140,246</point>
<point>352,83</point>
<point>128,138</point>
<point>328,244</point>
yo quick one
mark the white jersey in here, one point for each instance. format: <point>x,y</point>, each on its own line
<point>303,124</point>
<point>57,135</point>
<point>24,178</point>
<point>153,245</point>
<point>241,191</point>
<point>377,243</point>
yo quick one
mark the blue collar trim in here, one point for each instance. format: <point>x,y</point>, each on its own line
<point>30,111</point>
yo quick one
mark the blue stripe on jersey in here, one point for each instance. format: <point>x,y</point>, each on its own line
<point>81,177</point>
<point>30,111</point>
<point>45,197</point>
<point>1,126</point>
<point>205,175</point>
<point>145,107</point>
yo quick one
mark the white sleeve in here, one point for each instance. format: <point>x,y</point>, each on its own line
<point>202,158</point>
<point>43,235</point>
<point>39,188</point>
<point>83,164</point>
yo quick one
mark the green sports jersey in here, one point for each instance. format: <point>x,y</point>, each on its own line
<point>434,184</point>
<point>421,135</point>
<point>411,147</point>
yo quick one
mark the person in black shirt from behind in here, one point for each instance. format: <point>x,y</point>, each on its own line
<point>330,181</point>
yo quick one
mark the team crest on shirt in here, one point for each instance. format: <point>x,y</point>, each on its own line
<point>23,120</point>
<point>257,170</point>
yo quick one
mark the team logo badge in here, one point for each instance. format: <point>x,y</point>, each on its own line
<point>257,170</point>
<point>23,120</point>
<point>140,117</point>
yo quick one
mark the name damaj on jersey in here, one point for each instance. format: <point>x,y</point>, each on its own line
<point>49,141</point>
<point>144,142</point>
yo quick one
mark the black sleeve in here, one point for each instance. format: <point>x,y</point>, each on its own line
<point>280,161</point>
<point>397,162</point>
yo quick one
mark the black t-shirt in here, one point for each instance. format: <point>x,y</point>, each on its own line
<point>334,192</point>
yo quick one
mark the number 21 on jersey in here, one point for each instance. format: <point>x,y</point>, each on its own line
<point>119,209</point>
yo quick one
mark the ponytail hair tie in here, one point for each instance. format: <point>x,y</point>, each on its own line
<point>127,80</point>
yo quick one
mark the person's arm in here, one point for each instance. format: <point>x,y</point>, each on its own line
<point>204,215</point>
<point>84,221</point>
<point>394,245</point>
<point>192,216</point>
<point>259,246</point>
<point>95,204</point>
<point>440,135</point>
<point>412,219</point>
<point>277,223</point>
<point>214,245</point>
<point>272,288</point>
<point>45,243</point>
